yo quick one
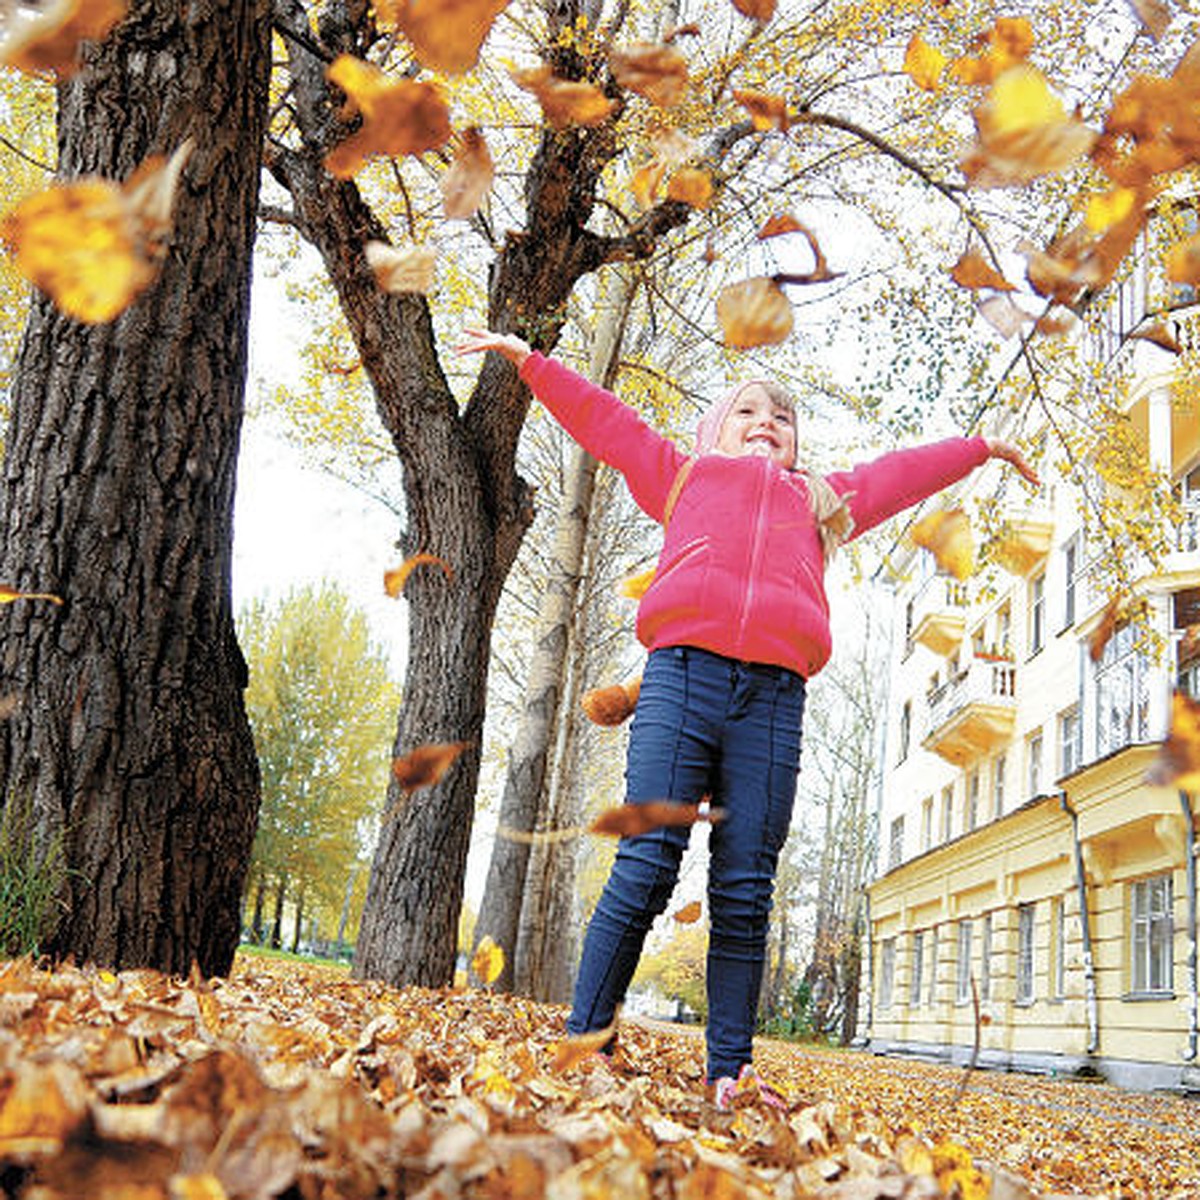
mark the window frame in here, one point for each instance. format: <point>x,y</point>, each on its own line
<point>1025,975</point>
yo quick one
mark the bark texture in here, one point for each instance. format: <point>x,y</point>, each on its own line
<point>131,740</point>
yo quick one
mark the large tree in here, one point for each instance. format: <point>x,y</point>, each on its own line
<point>130,738</point>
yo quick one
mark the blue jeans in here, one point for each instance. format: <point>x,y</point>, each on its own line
<point>704,725</point>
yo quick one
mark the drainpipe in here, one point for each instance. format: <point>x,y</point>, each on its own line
<point>1194,987</point>
<point>1089,963</point>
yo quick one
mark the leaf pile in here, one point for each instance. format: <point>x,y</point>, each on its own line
<point>299,1082</point>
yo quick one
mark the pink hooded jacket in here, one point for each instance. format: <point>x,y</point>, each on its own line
<point>741,570</point>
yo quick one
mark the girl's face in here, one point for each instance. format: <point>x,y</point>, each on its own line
<point>756,424</point>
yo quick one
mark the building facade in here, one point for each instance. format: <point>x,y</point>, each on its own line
<point>1035,892</point>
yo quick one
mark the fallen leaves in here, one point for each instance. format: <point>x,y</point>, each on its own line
<point>946,534</point>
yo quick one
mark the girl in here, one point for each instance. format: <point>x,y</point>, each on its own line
<point>736,622</point>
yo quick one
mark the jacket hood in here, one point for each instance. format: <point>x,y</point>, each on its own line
<point>709,428</point>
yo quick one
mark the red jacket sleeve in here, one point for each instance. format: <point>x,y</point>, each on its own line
<point>608,429</point>
<point>877,490</point>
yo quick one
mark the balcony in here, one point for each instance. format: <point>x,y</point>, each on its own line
<point>974,713</point>
<point>1023,544</point>
<point>940,614</point>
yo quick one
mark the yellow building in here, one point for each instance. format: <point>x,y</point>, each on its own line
<point>1024,855</point>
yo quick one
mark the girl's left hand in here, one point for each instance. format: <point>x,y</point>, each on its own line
<point>1010,454</point>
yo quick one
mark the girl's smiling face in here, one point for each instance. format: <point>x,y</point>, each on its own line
<point>756,424</point>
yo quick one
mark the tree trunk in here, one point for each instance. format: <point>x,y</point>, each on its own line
<point>299,922</point>
<point>523,800</point>
<point>256,927</point>
<point>131,739</point>
<point>277,923</point>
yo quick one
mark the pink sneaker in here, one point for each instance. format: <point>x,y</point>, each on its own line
<point>748,1083</point>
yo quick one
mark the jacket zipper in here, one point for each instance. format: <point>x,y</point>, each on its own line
<point>756,545</point>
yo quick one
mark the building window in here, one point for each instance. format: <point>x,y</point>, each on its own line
<point>933,966</point>
<point>915,970</point>
<point>1025,915</point>
<point>998,771</point>
<point>1070,731</point>
<point>887,972</point>
<point>973,800</point>
<point>1058,949</point>
<point>1122,694</point>
<point>1004,631</point>
<point>1033,760</point>
<point>1037,614</point>
<point>1152,931</point>
<point>985,958</point>
<point>947,811</point>
<point>1070,580</point>
<point>896,843</point>
<point>962,982</point>
<point>909,613</point>
<point>927,823</point>
<point>905,729</point>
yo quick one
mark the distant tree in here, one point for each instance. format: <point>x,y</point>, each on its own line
<point>676,969</point>
<point>321,704</point>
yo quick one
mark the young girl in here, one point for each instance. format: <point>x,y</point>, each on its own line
<point>736,622</point>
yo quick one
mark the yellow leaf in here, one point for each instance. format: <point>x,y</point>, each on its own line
<point>691,186</point>
<point>754,312</point>
<point>947,536</point>
<point>399,269</point>
<point>196,1187</point>
<point>1109,208</point>
<point>657,72</point>
<point>1183,262</point>
<point>394,581</point>
<point>1178,762</point>
<point>8,595</point>
<point>469,176</point>
<point>923,64</point>
<point>488,961</point>
<point>564,102</point>
<point>646,184</point>
<point>402,116</point>
<point>50,41</point>
<point>446,35</point>
<point>689,914</point>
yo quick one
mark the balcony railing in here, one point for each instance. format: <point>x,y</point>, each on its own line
<point>974,713</point>
<point>940,614</point>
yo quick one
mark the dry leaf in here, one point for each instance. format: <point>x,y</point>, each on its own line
<point>446,35</point>
<point>779,224</point>
<point>1183,262</point>
<point>630,820</point>
<point>766,111</point>
<point>974,271</point>
<point>1055,324</point>
<point>399,116</point>
<point>1155,15</point>
<point>754,312</point>
<point>469,176</point>
<point>692,186</point>
<point>49,42</point>
<point>820,272</point>
<point>400,269</point>
<point>671,147</point>
<point>657,72</point>
<point>613,704</point>
<point>947,536</point>
<point>1008,42</point>
<point>8,595</point>
<point>394,581</point>
<point>425,766</point>
<point>1109,208</point>
<point>689,914</point>
<point>646,184</point>
<point>1160,335</point>
<point>1023,132</point>
<point>923,64</point>
<point>1002,314</point>
<point>1115,611</point>
<point>94,246</point>
<point>488,961</point>
<point>565,101</point>
<point>756,10</point>
<point>1178,761</point>
<point>579,1047</point>
<point>691,29</point>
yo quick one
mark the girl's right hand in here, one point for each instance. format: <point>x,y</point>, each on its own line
<point>475,341</point>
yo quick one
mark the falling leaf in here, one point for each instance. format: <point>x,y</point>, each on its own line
<point>399,116</point>
<point>946,534</point>
<point>400,269</point>
<point>94,246</point>
<point>691,186</point>
<point>613,704</point>
<point>974,271</point>
<point>923,64</point>
<point>425,765</point>
<point>394,581</point>
<point>754,312</point>
<point>689,914</point>
<point>777,225</point>
<point>1115,611</point>
<point>1023,132</point>
<point>1178,761</point>
<point>1159,335</point>
<point>565,101</point>
<point>1155,15</point>
<point>1183,262</point>
<point>646,184</point>
<point>581,1046</point>
<point>630,820</point>
<point>657,72</point>
<point>1055,324</point>
<point>691,29</point>
<point>766,111</point>
<point>1007,43</point>
<point>672,148</point>
<point>820,272</point>
<point>468,178</point>
<point>488,961</point>
<point>446,35</point>
<point>1003,315</point>
<point>1109,207</point>
<point>49,42</point>
<point>8,595</point>
<point>756,10</point>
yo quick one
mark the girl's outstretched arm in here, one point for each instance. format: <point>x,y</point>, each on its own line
<point>1010,454</point>
<point>475,341</point>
